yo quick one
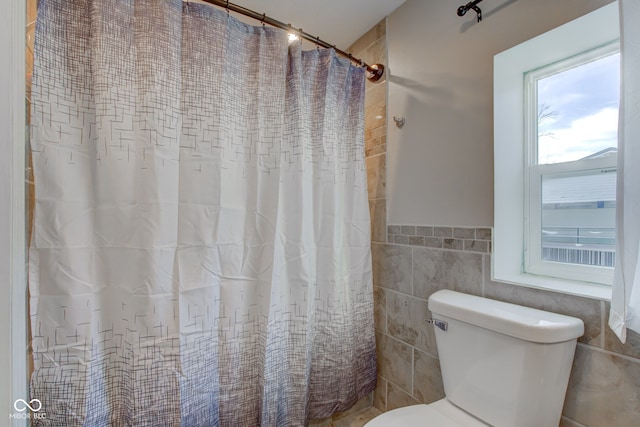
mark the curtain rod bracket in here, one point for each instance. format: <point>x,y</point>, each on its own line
<point>462,10</point>
<point>375,72</point>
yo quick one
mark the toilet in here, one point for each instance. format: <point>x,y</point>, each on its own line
<point>502,365</point>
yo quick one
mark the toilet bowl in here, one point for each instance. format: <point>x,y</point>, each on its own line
<point>438,414</point>
<point>502,365</point>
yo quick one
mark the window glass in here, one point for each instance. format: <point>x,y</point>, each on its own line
<point>578,111</point>
<point>572,166</point>
<point>578,217</point>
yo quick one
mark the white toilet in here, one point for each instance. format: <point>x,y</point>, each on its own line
<point>502,365</point>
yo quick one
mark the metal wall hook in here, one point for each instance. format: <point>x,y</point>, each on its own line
<point>399,121</point>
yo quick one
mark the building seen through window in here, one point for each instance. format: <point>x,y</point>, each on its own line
<point>577,125</point>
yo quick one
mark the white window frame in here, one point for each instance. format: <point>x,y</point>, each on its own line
<point>511,222</point>
<point>533,173</point>
<point>532,239</point>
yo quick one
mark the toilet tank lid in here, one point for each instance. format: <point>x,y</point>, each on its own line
<point>517,321</point>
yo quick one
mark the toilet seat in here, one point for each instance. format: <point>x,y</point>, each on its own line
<point>438,414</point>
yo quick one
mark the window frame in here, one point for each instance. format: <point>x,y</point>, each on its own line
<point>510,156</point>
<point>533,173</point>
<point>532,238</point>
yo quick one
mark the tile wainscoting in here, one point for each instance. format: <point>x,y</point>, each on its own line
<point>604,388</point>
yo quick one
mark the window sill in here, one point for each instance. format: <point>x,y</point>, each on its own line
<point>570,287</point>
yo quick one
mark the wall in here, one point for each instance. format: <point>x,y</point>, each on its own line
<point>439,190</point>
<point>440,168</point>
<point>372,49</point>
<point>12,242</point>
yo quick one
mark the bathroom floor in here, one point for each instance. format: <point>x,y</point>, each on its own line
<point>354,420</point>
<point>359,419</point>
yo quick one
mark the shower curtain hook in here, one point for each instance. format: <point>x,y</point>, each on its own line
<point>227,7</point>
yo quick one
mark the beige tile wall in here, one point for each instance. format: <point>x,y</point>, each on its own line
<point>604,388</point>
<point>372,49</point>
<point>30,39</point>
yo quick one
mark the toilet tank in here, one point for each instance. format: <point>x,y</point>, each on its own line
<point>505,364</point>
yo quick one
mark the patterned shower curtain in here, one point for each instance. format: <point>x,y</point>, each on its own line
<point>201,243</point>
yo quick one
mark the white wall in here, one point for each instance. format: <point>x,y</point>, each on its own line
<point>440,164</point>
<point>13,376</point>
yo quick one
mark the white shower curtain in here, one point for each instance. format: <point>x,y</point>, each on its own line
<point>201,249</point>
<point>625,299</point>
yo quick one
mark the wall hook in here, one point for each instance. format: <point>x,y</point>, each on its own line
<point>399,121</point>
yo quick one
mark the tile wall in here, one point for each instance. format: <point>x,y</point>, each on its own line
<point>372,49</point>
<point>604,388</point>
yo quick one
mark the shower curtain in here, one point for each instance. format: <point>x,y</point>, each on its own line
<point>625,295</point>
<point>201,242</point>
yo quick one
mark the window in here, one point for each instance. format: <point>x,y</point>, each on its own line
<point>571,127</point>
<point>555,128</point>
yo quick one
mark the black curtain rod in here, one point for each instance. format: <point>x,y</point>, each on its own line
<point>471,5</point>
<point>374,71</point>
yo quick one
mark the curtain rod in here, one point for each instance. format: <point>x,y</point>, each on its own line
<point>471,5</point>
<point>375,71</point>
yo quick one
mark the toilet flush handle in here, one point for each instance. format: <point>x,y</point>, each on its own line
<point>439,323</point>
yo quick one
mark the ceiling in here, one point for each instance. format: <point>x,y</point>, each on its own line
<point>338,22</point>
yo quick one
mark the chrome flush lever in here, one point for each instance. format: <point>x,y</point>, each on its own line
<point>439,323</point>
